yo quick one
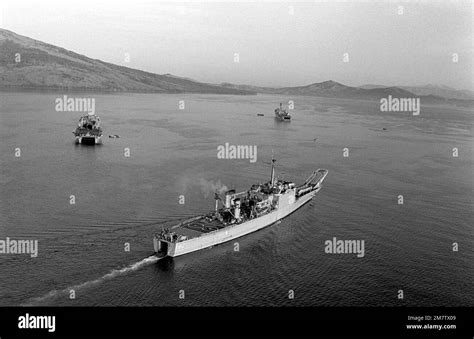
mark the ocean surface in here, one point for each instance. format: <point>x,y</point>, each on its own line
<point>173,152</point>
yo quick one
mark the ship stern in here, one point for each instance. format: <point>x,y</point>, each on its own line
<point>163,247</point>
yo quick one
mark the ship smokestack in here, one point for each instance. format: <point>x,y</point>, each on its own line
<point>216,196</point>
<point>237,208</point>
<point>228,198</point>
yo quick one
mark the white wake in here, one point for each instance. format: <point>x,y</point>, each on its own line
<point>112,274</point>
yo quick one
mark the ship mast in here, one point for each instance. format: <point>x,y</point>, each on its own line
<point>273,172</point>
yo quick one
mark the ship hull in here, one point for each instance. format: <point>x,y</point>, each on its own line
<point>231,232</point>
<point>89,140</point>
<point>282,118</point>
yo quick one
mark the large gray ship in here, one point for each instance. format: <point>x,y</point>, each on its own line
<point>238,214</point>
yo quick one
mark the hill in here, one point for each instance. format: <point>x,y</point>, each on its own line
<point>47,67</point>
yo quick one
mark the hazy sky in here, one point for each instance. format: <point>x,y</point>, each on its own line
<point>278,43</point>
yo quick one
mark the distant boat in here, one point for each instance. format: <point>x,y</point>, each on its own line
<point>282,114</point>
<point>88,130</point>
<point>114,136</point>
<point>260,114</point>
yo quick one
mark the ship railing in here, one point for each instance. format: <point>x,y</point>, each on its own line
<point>316,177</point>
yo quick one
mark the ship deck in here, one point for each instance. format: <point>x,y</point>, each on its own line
<point>198,227</point>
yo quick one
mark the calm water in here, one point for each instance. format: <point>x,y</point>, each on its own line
<point>126,200</point>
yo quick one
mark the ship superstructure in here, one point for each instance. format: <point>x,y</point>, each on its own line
<point>238,214</point>
<point>88,130</point>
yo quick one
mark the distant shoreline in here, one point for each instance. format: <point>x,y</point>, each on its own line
<point>459,103</point>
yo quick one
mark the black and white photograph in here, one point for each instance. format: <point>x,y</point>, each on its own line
<point>199,168</point>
